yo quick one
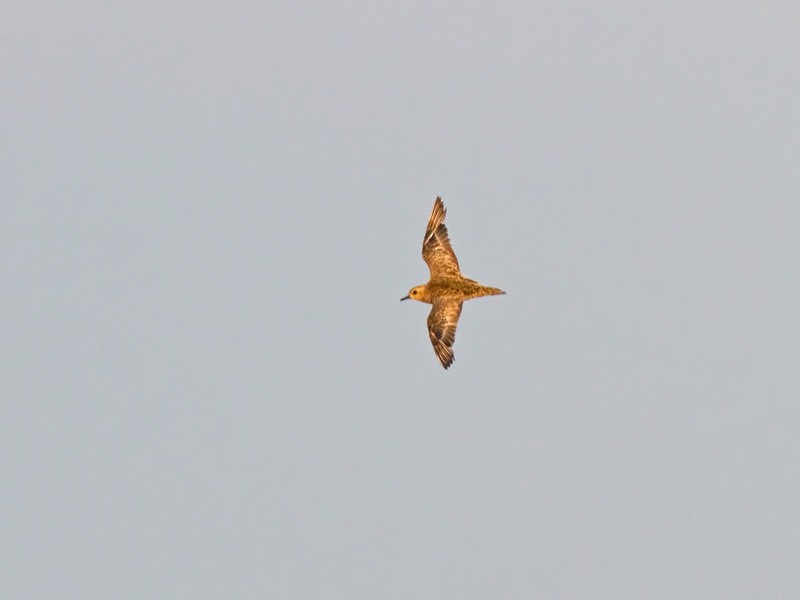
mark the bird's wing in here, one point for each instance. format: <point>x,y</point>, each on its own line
<point>442,323</point>
<point>436,249</point>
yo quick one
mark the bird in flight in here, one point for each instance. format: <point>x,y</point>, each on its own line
<point>447,288</point>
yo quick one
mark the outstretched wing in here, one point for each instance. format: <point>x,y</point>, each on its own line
<point>436,249</point>
<point>442,323</point>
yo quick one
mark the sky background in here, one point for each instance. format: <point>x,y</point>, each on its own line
<point>210,211</point>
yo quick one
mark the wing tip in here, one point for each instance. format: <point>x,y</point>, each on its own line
<point>438,214</point>
<point>447,360</point>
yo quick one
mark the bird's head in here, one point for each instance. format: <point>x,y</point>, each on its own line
<point>416,293</point>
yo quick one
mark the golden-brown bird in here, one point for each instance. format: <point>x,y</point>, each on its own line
<point>447,288</point>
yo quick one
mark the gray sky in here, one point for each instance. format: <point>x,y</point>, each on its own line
<point>209,387</point>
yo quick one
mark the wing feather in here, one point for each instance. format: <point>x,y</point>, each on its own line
<point>436,248</point>
<point>442,323</point>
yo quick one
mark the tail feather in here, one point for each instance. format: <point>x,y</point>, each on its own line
<point>490,291</point>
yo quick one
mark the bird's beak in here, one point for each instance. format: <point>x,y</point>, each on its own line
<point>406,298</point>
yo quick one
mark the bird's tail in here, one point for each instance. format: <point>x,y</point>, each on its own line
<point>490,291</point>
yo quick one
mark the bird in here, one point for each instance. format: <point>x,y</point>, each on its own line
<point>447,288</point>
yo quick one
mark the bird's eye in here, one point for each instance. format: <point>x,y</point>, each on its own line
<point>414,292</point>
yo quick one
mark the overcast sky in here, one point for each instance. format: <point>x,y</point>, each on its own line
<point>210,211</point>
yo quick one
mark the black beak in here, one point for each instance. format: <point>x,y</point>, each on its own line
<point>406,298</point>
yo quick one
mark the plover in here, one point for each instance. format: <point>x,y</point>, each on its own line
<point>447,288</point>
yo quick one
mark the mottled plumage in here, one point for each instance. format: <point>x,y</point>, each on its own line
<point>447,288</point>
